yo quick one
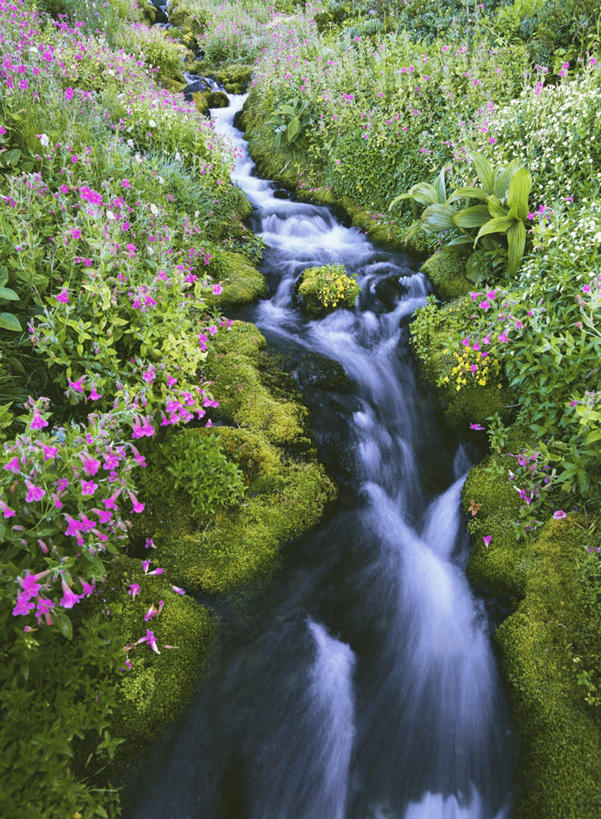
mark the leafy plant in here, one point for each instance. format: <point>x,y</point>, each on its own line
<point>290,119</point>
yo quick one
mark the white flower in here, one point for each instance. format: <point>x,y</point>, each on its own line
<point>154,210</point>
<point>152,123</point>
<point>110,215</point>
<point>43,139</point>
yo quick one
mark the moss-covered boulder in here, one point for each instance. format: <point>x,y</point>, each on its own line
<point>155,684</point>
<point>323,289</point>
<point>467,396</point>
<point>242,283</point>
<point>235,78</point>
<point>541,646</point>
<point>262,428</point>
<point>446,271</point>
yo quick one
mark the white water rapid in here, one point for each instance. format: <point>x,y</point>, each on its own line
<point>370,690</point>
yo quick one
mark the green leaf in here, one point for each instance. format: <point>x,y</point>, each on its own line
<point>485,171</point>
<point>425,194</point>
<point>440,185</point>
<point>293,129</point>
<point>503,178</point>
<point>495,208</point>
<point>467,193</point>
<point>517,195</point>
<point>437,217</point>
<point>8,321</point>
<point>64,624</point>
<point>7,294</point>
<point>497,225</point>
<point>516,242</point>
<point>472,217</point>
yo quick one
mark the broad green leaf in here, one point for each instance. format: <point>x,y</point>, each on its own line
<point>517,195</point>
<point>497,225</point>
<point>441,187</point>
<point>472,217</point>
<point>7,294</point>
<point>467,193</point>
<point>292,129</point>
<point>495,208</point>
<point>516,242</point>
<point>8,321</point>
<point>425,194</point>
<point>3,276</point>
<point>503,178</point>
<point>437,217</point>
<point>485,171</point>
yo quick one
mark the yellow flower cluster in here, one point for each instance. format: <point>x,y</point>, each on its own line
<point>472,367</point>
<point>330,285</point>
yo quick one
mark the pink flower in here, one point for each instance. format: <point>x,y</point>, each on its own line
<point>69,598</point>
<point>88,588</point>
<point>487,539</point>
<point>63,296</point>
<point>503,338</point>
<point>69,93</point>
<point>152,641</point>
<point>77,386</point>
<point>217,289</point>
<point>125,183</point>
<point>50,452</point>
<point>134,590</point>
<point>88,487</point>
<point>12,465</point>
<point>177,590</point>
<point>149,544</point>
<point>138,507</point>
<point>38,421</point>
<point>90,465</point>
<point>94,396</point>
<point>34,493</point>
<point>64,189</point>
<point>559,514</point>
<point>477,427</point>
<point>7,512</point>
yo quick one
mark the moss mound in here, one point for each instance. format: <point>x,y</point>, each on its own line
<point>242,283</point>
<point>157,687</point>
<point>446,271</point>
<point>264,432</point>
<point>323,289</point>
<point>560,734</point>
<point>235,78</point>
<point>435,333</point>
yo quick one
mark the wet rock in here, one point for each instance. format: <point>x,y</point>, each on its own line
<point>160,16</point>
<point>218,99</point>
<point>320,372</point>
<point>389,289</point>
<point>201,85</point>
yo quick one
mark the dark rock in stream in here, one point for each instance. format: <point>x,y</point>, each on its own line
<point>201,84</point>
<point>389,289</point>
<point>317,371</point>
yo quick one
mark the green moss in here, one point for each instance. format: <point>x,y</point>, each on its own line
<point>235,78</point>
<point>446,271</point>
<point>242,283</point>
<point>201,101</point>
<point>173,83</point>
<point>323,289</point>
<point>244,398</point>
<point>560,736</point>
<point>158,686</point>
<point>499,569</point>
<point>435,339</point>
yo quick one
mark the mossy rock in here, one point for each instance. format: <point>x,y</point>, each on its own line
<point>324,289</point>
<point>235,78</point>
<point>499,569</point>
<point>218,99</point>
<point>173,84</point>
<point>242,283</point>
<point>158,686</point>
<point>560,735</point>
<point>435,338</point>
<point>244,399</point>
<point>188,20</point>
<point>149,13</point>
<point>446,271</point>
<point>201,101</point>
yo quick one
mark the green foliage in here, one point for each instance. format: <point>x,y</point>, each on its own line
<point>323,289</point>
<point>290,119</point>
<point>196,464</point>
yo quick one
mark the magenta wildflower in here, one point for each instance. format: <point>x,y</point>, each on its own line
<point>487,539</point>
<point>77,386</point>
<point>38,422</point>
<point>12,465</point>
<point>217,289</point>
<point>50,452</point>
<point>134,590</point>
<point>7,512</point>
<point>69,598</point>
<point>559,514</point>
<point>34,493</point>
<point>478,427</point>
<point>177,590</point>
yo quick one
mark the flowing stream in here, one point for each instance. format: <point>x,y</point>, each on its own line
<point>370,691</point>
